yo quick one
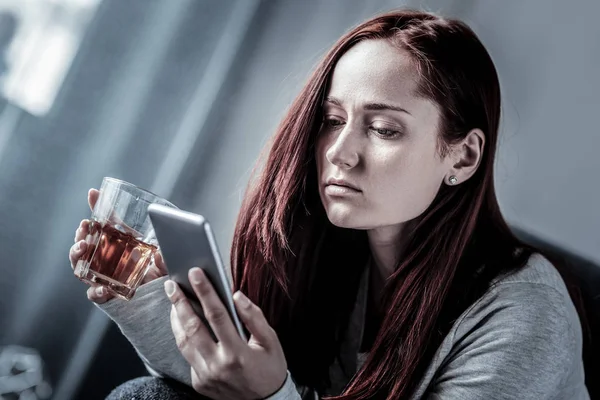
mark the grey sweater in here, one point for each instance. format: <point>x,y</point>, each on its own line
<point>521,340</point>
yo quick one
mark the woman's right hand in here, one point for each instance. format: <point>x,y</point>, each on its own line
<point>97,293</point>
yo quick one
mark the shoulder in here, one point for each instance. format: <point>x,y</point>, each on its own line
<point>537,290</point>
<point>522,338</point>
<point>528,311</point>
<point>538,271</point>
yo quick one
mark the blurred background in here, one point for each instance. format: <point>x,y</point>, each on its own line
<point>179,97</point>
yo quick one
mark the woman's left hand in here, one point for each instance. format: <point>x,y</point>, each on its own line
<point>230,368</point>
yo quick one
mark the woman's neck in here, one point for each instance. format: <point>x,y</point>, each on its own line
<point>386,245</point>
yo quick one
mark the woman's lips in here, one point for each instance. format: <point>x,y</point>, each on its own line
<point>339,190</point>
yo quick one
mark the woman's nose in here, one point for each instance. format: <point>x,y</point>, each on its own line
<point>343,151</point>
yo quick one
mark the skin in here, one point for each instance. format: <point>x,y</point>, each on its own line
<point>228,369</point>
<point>392,159</point>
<point>391,156</point>
<point>96,293</point>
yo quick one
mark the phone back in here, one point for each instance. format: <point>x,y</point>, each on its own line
<point>186,241</point>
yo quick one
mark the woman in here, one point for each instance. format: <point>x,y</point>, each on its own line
<point>374,245</point>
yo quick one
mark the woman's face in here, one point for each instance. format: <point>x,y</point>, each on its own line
<point>379,138</point>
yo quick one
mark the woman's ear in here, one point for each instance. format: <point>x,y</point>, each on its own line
<point>466,157</point>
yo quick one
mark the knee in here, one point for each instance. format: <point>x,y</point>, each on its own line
<point>151,388</point>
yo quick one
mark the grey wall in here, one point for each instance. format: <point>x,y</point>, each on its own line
<point>547,55</point>
<point>122,101</point>
<point>143,80</point>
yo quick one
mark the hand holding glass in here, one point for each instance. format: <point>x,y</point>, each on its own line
<point>121,243</point>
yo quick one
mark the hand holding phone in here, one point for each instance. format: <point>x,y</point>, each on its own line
<point>229,367</point>
<point>186,241</point>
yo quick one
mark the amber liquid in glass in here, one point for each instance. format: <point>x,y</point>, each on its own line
<point>114,259</point>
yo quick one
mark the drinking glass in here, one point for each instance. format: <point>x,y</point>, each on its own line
<point>121,243</point>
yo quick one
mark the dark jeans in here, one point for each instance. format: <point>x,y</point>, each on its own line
<point>150,388</point>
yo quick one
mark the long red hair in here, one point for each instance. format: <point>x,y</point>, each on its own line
<point>304,272</point>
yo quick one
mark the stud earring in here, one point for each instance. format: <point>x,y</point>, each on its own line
<point>453,179</point>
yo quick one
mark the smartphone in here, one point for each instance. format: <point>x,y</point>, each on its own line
<point>186,241</point>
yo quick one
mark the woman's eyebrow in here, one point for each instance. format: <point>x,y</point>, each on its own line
<point>370,106</point>
<point>385,106</point>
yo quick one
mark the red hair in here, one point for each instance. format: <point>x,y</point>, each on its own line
<point>304,272</point>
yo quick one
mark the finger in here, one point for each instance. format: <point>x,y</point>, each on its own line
<point>214,310</point>
<point>77,251</point>
<point>82,231</point>
<point>193,355</point>
<point>93,195</point>
<point>254,319</point>
<point>151,275</point>
<point>156,269</point>
<point>160,264</point>
<point>192,331</point>
<point>98,294</point>
<point>197,382</point>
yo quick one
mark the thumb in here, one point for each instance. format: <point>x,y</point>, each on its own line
<point>93,195</point>
<point>160,263</point>
<point>254,319</point>
<point>98,294</point>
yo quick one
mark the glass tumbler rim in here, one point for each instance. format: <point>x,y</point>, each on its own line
<point>131,185</point>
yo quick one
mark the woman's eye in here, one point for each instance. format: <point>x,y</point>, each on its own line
<point>333,122</point>
<point>387,133</point>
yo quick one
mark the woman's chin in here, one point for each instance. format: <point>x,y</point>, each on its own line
<point>342,219</point>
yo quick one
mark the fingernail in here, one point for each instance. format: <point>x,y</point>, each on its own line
<point>100,291</point>
<point>170,288</point>
<point>241,299</point>
<point>196,275</point>
<point>77,246</point>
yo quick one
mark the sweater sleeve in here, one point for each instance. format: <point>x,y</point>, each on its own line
<point>145,322</point>
<point>517,342</point>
